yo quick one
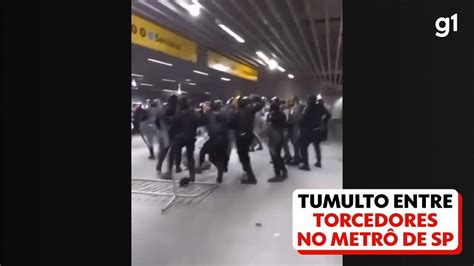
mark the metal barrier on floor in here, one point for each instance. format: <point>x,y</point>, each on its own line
<point>171,188</point>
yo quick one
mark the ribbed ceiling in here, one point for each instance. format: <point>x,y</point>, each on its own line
<point>303,36</point>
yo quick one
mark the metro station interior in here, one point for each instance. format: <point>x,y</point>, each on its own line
<point>223,49</point>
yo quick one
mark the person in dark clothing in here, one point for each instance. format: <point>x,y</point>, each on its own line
<point>294,114</point>
<point>313,121</point>
<point>276,125</point>
<point>163,122</point>
<point>205,149</point>
<point>242,122</point>
<point>217,145</point>
<point>139,115</point>
<point>323,135</point>
<point>183,135</point>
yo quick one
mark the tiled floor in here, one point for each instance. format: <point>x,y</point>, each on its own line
<point>220,229</point>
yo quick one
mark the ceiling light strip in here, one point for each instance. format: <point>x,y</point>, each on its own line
<point>159,62</point>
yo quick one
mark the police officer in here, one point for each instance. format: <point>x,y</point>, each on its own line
<point>242,122</point>
<point>138,115</point>
<point>183,128</point>
<point>276,125</point>
<point>313,121</point>
<point>217,145</point>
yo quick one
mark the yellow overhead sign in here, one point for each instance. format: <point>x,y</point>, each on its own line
<point>152,36</point>
<point>227,65</point>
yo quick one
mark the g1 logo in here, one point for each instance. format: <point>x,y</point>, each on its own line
<point>443,25</point>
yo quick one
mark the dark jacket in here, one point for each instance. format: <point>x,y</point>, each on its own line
<point>217,123</point>
<point>242,120</point>
<point>277,120</point>
<point>163,119</point>
<point>139,115</point>
<point>314,116</point>
<point>276,124</point>
<point>185,123</point>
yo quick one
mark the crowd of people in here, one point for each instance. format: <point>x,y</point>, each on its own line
<point>241,123</point>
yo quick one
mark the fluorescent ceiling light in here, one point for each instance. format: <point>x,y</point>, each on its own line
<point>272,64</point>
<point>187,80</point>
<point>163,2</point>
<point>169,80</point>
<point>137,75</point>
<point>199,72</point>
<point>291,76</point>
<point>263,56</point>
<point>159,62</point>
<point>231,33</point>
<point>194,9</point>
<point>207,92</point>
<point>260,62</point>
<point>146,84</point>
<point>226,79</point>
<point>221,67</point>
<point>192,84</point>
<point>179,92</point>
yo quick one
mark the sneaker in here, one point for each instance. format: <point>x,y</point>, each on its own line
<point>219,180</point>
<point>318,164</point>
<point>178,170</point>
